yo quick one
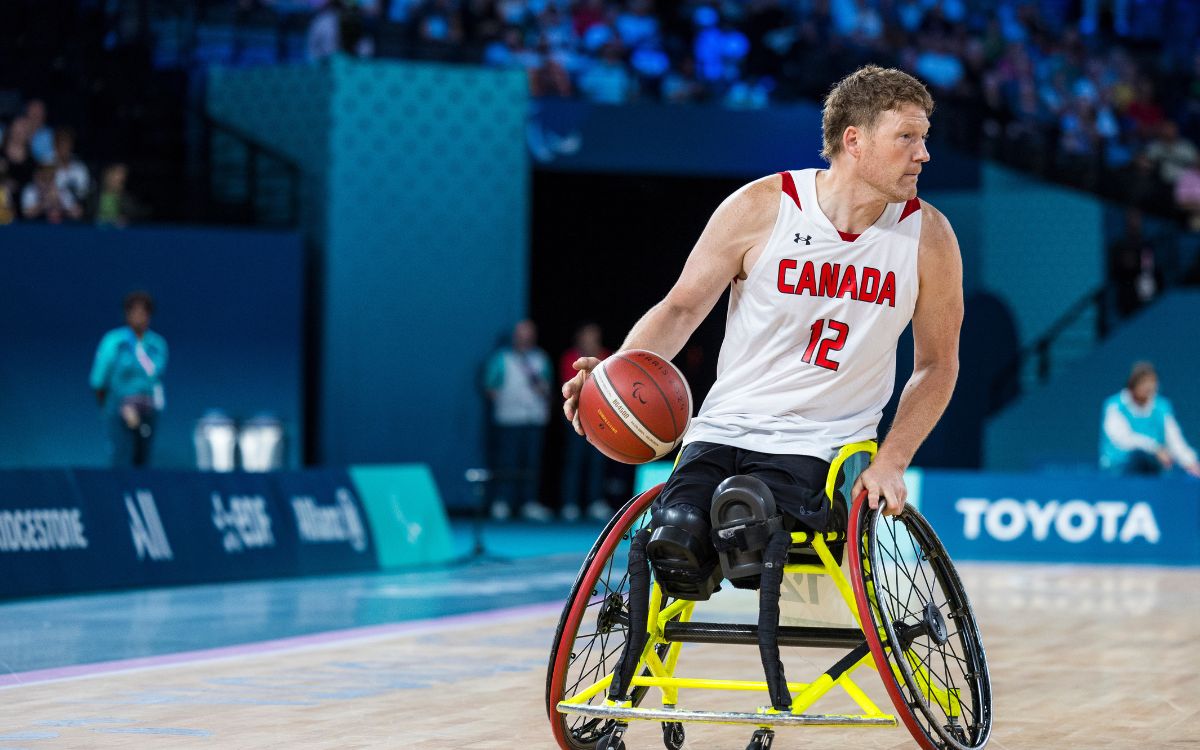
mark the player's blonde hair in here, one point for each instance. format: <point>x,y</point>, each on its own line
<point>861,97</point>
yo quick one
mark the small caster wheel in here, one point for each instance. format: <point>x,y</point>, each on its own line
<point>612,738</point>
<point>673,735</point>
<point>761,740</point>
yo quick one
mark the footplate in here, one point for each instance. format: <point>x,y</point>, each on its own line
<point>771,719</point>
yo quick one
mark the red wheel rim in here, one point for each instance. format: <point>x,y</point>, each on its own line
<point>854,539</point>
<point>571,625</point>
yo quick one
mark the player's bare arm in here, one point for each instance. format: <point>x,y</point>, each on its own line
<point>728,247</point>
<point>936,323</point>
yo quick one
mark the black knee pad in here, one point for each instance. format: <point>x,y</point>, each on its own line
<point>744,518</point>
<point>681,552</point>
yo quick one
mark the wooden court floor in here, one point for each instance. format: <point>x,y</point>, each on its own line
<point>1081,657</point>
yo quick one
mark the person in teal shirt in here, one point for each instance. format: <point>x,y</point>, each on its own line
<point>127,378</point>
<point>1138,431</point>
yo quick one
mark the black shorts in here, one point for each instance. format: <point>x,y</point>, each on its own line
<point>796,482</point>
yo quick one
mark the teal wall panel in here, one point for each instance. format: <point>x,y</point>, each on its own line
<point>288,107</point>
<point>422,178</point>
<point>427,257</point>
<point>1043,247</point>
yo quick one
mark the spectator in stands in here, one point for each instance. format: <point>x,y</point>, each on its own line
<point>8,208</point>
<point>127,379</point>
<point>607,80</point>
<point>440,22</point>
<point>41,137</point>
<point>41,200</point>
<point>338,27</point>
<point>1187,196</point>
<point>1171,154</point>
<point>114,207</point>
<point>517,381</point>
<point>550,78</point>
<point>681,86</point>
<point>1138,432</point>
<point>1133,266</point>
<point>70,174</point>
<point>19,164</point>
<point>583,465</point>
<point>510,51</point>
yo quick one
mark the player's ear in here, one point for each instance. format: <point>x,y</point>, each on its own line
<point>852,140</point>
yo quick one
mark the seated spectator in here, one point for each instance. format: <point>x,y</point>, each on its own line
<point>8,208</point>
<point>19,164</point>
<point>681,85</point>
<point>587,14</point>
<point>550,79</point>
<point>1139,434</point>
<point>607,80</point>
<point>440,22</point>
<point>1187,196</point>
<point>41,138</point>
<point>638,25</point>
<point>511,52</point>
<point>115,206</point>
<point>1171,154</point>
<point>41,200</point>
<point>71,176</point>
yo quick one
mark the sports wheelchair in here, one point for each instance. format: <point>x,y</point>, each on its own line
<point>616,640</point>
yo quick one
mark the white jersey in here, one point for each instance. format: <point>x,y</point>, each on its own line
<point>809,356</point>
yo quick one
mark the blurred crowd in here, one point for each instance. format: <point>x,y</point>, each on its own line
<point>1105,91</point>
<point>42,179</point>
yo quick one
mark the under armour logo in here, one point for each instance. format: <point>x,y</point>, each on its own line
<point>806,239</point>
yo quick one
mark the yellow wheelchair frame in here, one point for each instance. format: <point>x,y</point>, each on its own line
<point>670,625</point>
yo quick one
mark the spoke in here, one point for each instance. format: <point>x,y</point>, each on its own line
<point>899,567</point>
<point>912,540</point>
<point>904,605</point>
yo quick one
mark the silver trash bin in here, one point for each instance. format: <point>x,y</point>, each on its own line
<point>215,438</point>
<point>260,442</point>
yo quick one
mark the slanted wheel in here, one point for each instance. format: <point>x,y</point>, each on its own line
<point>609,742</point>
<point>920,628</point>
<point>673,735</point>
<point>594,626</point>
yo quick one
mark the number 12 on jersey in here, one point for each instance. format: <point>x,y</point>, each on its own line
<point>839,330</point>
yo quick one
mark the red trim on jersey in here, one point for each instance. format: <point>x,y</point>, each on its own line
<point>910,207</point>
<point>789,187</point>
<point>848,237</point>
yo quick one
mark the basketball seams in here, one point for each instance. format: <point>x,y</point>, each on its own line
<point>635,425</point>
<point>661,392</point>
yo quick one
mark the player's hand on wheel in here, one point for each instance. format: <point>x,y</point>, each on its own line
<point>572,388</point>
<point>884,483</point>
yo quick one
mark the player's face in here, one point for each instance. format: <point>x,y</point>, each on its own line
<point>1146,389</point>
<point>895,153</point>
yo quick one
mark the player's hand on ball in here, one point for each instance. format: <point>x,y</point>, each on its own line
<point>883,481</point>
<point>572,387</point>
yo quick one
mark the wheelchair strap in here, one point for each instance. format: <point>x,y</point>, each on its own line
<point>639,612</point>
<point>768,619</point>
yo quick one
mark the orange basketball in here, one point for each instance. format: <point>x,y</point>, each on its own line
<point>635,407</point>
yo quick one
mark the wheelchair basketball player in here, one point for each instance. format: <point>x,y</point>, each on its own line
<point>828,266</point>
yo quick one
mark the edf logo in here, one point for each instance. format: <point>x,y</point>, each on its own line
<point>1073,521</point>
